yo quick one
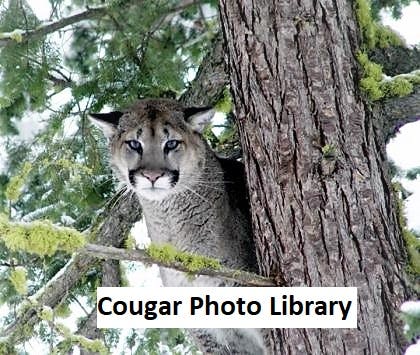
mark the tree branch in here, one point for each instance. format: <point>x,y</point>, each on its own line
<point>24,36</point>
<point>118,222</point>
<point>165,18</point>
<point>238,276</point>
<point>207,87</point>
<point>398,111</point>
<point>88,328</point>
<point>396,60</point>
<point>59,82</point>
<point>110,278</point>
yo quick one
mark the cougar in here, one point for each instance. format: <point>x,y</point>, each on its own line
<point>191,198</point>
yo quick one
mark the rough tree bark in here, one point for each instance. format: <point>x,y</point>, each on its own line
<point>322,204</point>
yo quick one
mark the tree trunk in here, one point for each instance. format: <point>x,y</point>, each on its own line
<point>322,204</point>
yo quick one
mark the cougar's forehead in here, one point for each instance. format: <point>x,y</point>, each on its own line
<point>150,119</point>
<point>153,122</point>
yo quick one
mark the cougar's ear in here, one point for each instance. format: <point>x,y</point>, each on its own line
<point>107,122</point>
<point>198,117</point>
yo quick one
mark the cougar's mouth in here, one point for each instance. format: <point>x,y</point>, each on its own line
<point>153,184</point>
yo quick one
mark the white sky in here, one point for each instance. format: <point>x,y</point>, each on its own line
<point>408,26</point>
<point>405,147</point>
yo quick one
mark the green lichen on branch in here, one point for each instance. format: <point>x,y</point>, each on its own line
<point>62,310</point>
<point>376,86</point>
<point>46,313</point>
<point>130,242</point>
<point>39,237</point>
<point>400,85</point>
<point>16,35</point>
<point>373,33</point>
<point>23,330</point>
<point>168,254</point>
<point>328,151</point>
<point>18,279</point>
<point>225,104</point>
<point>386,37</point>
<point>413,248</point>
<point>94,346</point>
<point>365,20</point>
<point>6,348</point>
<point>397,86</point>
<point>412,242</point>
<point>370,84</point>
<point>15,185</point>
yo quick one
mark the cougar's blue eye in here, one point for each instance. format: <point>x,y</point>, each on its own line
<point>133,144</point>
<point>172,144</point>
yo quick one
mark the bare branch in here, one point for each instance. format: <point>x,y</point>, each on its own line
<point>211,79</point>
<point>238,276</point>
<point>59,82</point>
<point>110,278</point>
<point>398,111</point>
<point>396,60</point>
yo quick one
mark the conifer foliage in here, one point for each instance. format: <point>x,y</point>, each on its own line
<point>56,187</point>
<point>83,57</point>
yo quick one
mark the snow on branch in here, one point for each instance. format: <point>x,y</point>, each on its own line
<point>395,60</point>
<point>19,35</point>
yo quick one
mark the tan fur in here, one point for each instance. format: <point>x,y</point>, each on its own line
<point>205,211</point>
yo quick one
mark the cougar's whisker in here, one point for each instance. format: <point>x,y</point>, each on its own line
<point>195,193</point>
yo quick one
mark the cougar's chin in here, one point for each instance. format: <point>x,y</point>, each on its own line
<point>153,194</point>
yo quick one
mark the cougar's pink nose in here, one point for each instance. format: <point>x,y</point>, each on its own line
<point>152,175</point>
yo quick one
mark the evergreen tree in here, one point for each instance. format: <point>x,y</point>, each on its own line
<point>314,119</point>
<point>92,54</point>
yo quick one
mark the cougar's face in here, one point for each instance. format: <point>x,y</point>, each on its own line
<point>156,149</point>
<point>154,155</point>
